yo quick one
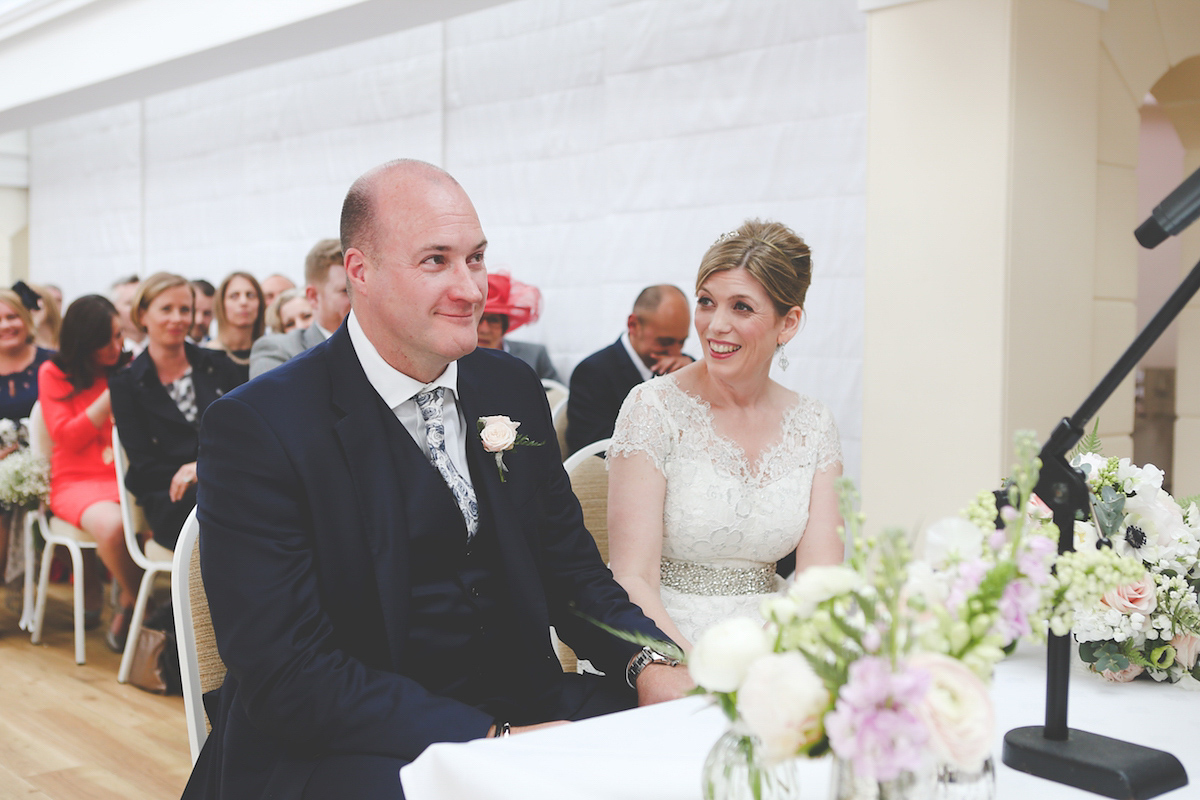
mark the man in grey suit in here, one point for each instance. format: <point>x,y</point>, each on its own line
<point>325,288</point>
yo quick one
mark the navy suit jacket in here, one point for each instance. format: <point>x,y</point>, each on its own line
<point>598,388</point>
<point>306,503</point>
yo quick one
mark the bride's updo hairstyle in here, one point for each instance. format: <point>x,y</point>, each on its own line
<point>771,252</point>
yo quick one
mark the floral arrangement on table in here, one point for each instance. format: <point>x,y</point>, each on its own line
<point>1150,623</point>
<point>886,660</point>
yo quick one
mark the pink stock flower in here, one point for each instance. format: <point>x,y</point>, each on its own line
<point>1018,603</point>
<point>875,723</point>
<point>970,575</point>
<point>1035,558</point>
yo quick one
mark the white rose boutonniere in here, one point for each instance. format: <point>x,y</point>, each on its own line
<point>498,434</point>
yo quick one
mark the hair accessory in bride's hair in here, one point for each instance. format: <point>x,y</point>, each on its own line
<point>725,237</point>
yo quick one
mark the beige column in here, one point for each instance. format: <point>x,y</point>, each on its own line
<point>14,207</point>
<point>981,237</point>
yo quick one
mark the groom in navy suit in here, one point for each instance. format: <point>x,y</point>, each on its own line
<point>377,583</point>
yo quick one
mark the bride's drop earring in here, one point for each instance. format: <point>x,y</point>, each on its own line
<point>783,359</point>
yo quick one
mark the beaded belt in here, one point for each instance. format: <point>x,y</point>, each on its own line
<point>692,578</point>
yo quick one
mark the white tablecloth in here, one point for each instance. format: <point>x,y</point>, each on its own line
<point>657,752</point>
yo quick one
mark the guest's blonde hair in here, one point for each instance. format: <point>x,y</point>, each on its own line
<point>11,298</point>
<point>151,288</point>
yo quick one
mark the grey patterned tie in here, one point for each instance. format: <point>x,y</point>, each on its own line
<point>430,404</point>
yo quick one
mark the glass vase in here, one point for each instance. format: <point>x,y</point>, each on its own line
<point>916,785</point>
<point>735,770</point>
<point>957,784</point>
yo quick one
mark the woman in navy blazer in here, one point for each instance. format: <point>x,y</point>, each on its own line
<point>158,401</point>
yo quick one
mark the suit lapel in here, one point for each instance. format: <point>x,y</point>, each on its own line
<point>154,397</point>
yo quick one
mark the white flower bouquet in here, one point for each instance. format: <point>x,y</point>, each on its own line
<point>886,660</point>
<point>24,480</point>
<point>1150,622</point>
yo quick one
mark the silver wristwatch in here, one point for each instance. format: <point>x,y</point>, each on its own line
<point>644,658</point>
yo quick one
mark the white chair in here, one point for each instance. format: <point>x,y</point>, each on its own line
<point>588,473</point>
<point>558,414</point>
<point>200,665</point>
<point>555,391</point>
<point>56,532</point>
<point>154,560</point>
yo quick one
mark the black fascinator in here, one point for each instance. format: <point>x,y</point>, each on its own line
<point>29,298</point>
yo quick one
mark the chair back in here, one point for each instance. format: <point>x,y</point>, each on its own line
<point>555,392</point>
<point>588,472</point>
<point>559,416</point>
<point>39,435</point>
<point>132,518</point>
<point>201,667</point>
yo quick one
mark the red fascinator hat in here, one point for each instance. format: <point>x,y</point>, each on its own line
<point>520,302</point>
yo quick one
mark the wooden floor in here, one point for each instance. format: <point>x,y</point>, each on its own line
<point>70,732</point>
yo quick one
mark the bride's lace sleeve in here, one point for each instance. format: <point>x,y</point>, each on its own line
<point>643,426</point>
<point>828,443</point>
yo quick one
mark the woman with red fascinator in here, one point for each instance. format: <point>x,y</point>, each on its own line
<point>511,304</point>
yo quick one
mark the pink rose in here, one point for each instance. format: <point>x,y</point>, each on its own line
<point>1123,676</point>
<point>1187,647</point>
<point>1139,597</point>
<point>498,433</point>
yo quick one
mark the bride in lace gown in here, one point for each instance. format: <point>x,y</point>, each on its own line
<point>717,471</point>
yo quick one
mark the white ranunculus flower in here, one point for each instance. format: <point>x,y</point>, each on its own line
<point>815,585</point>
<point>780,608</point>
<point>782,702</point>
<point>952,538</point>
<point>498,433</point>
<point>957,711</point>
<point>927,583</point>
<point>725,651</point>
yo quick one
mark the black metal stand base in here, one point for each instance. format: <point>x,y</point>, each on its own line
<point>1094,763</point>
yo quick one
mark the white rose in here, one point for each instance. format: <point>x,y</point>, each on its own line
<point>952,538</point>
<point>957,710</point>
<point>725,651</point>
<point>815,585</point>
<point>498,433</point>
<point>782,702</point>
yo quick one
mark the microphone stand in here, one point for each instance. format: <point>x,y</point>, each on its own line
<point>1088,761</point>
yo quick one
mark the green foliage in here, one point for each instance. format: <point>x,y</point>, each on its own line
<point>1088,444</point>
<point>1109,658</point>
<point>668,649</point>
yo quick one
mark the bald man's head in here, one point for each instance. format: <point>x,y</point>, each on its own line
<point>358,209</point>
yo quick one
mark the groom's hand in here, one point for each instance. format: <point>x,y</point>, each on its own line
<point>515,729</point>
<point>659,683</point>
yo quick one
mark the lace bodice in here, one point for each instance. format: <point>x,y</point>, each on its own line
<point>720,509</point>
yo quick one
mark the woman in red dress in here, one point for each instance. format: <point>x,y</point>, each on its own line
<point>73,390</point>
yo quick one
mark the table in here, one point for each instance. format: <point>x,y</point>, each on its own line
<point>658,751</point>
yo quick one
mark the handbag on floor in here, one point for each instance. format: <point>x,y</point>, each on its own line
<point>155,665</point>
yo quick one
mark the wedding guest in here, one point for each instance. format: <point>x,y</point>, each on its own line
<point>241,317</point>
<point>511,304</point>
<point>374,587</point>
<point>202,323</point>
<point>121,293</point>
<point>20,359</point>
<point>272,285</point>
<point>716,471</point>
<point>76,405</point>
<point>158,401</point>
<point>325,288</point>
<point>47,317</point>
<point>652,344</point>
<point>288,311</point>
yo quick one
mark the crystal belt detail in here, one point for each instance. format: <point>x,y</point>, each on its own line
<point>702,579</point>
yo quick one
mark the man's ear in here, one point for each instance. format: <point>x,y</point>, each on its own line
<point>632,324</point>
<point>356,269</point>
